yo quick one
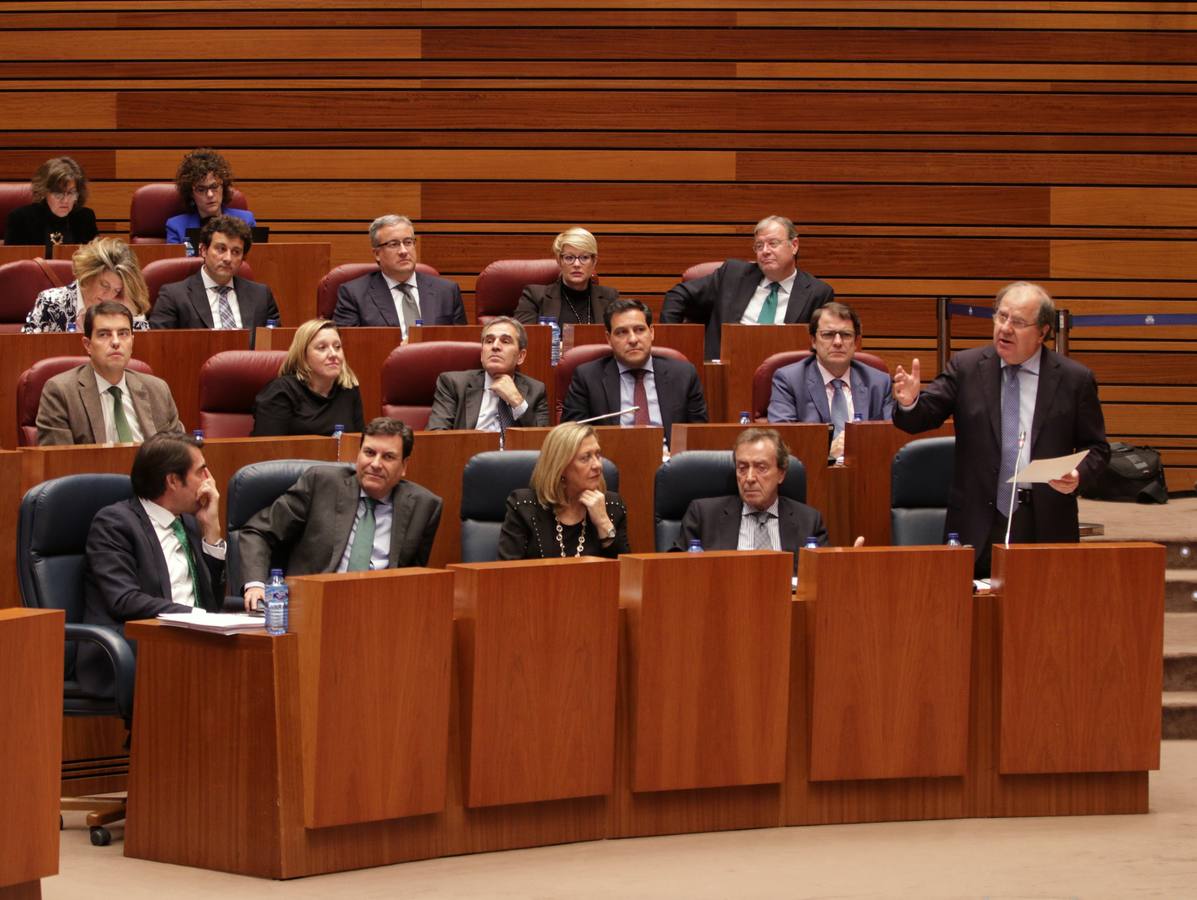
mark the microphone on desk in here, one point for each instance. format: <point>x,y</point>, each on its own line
<point>1022,437</point>
<point>630,409</point>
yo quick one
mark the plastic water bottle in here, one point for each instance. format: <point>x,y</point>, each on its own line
<point>555,347</point>
<point>857,417</point>
<point>419,323</point>
<point>338,433</point>
<point>198,434</point>
<point>954,539</point>
<point>272,323</point>
<point>72,326</point>
<point>278,599</point>
<point>695,546</point>
<point>745,417</point>
<point>812,543</point>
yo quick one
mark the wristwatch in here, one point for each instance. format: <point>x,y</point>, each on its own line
<point>610,535</point>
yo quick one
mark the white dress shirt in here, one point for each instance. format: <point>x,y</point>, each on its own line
<point>752,311</point>
<point>380,554</point>
<point>181,590</point>
<point>397,298</point>
<point>488,412</point>
<point>748,527</point>
<point>627,390</point>
<point>108,405</point>
<point>214,300</point>
<point>846,378</point>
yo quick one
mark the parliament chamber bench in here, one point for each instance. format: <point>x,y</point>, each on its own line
<point>423,713</point>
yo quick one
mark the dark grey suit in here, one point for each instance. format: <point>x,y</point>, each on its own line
<point>715,521</point>
<point>70,410</point>
<point>126,577</point>
<point>458,401</point>
<point>545,300</point>
<point>368,301</point>
<point>721,298</point>
<point>185,304</point>
<point>314,517</point>
<point>799,394</point>
<point>594,391</point>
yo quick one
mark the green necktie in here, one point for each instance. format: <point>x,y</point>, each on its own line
<point>181,533</point>
<point>769,310</point>
<point>363,540</point>
<point>124,434</point>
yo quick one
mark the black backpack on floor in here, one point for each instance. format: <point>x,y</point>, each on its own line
<point>1135,474</point>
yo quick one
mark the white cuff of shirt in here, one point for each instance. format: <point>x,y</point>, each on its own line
<point>517,411</point>
<point>217,550</point>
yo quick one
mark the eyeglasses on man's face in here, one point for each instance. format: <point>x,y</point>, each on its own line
<point>407,243</point>
<point>846,336</point>
<point>1004,318</point>
<point>771,244</point>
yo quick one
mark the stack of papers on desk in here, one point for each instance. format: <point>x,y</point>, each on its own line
<point>218,623</point>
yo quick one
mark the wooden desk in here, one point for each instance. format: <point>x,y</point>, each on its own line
<point>743,348</point>
<point>31,643</point>
<point>175,356</point>
<point>636,452</point>
<point>145,253</point>
<point>704,712</point>
<point>865,488</point>
<point>807,441</point>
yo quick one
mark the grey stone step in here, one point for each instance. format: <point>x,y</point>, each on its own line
<point>1180,652</point>
<point>1180,715</point>
<point>1180,590</point>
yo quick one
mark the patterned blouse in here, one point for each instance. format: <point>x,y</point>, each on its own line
<point>56,307</point>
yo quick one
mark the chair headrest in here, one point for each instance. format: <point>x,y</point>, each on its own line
<point>488,479</point>
<point>58,513</point>
<point>921,474</point>
<point>256,486</point>
<point>697,474</point>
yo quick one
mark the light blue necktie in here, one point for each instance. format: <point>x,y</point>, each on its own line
<point>1010,402</point>
<point>839,407</point>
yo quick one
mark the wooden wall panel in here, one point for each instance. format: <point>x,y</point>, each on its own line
<point>925,147</point>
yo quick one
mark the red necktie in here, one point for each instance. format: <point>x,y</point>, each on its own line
<point>639,398</point>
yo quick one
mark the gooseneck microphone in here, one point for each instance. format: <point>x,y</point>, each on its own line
<point>1022,437</point>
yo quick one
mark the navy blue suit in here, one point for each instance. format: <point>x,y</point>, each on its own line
<point>368,301</point>
<point>799,394</point>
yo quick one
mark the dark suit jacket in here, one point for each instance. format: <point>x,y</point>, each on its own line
<point>545,300</point>
<point>458,401</point>
<point>715,521</point>
<point>594,391</point>
<point>314,517</point>
<point>125,578</point>
<point>70,410</point>
<point>530,530</point>
<point>722,297</point>
<point>799,394</point>
<point>1067,419</point>
<point>368,301</point>
<point>184,304</point>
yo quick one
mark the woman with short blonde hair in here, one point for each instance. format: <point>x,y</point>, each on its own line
<point>567,509</point>
<point>575,297</point>
<point>105,269</point>
<point>315,390</point>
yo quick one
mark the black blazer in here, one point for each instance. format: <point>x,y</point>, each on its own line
<point>715,521</point>
<point>594,390</point>
<point>545,300</point>
<point>125,578</point>
<point>368,301</point>
<point>32,224</point>
<point>530,530</point>
<point>1067,419</point>
<point>722,297</point>
<point>184,304</point>
<point>458,401</point>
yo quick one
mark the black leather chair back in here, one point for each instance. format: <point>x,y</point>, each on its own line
<point>697,474</point>
<point>52,529</point>
<point>253,488</point>
<point>486,482</point>
<point>920,483</point>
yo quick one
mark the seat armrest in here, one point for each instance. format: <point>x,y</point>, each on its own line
<point>120,654</point>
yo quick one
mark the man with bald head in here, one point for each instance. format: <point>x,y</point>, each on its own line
<point>1013,401</point>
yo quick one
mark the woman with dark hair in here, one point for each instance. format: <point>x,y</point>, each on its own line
<point>205,184</point>
<point>57,214</point>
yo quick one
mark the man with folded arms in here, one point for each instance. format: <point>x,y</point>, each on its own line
<point>771,291</point>
<point>496,396</point>
<point>103,401</point>
<point>335,519</point>
<point>664,390</point>
<point>397,295</point>
<point>216,296</point>
<point>160,552</point>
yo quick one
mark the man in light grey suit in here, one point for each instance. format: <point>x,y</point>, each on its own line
<point>335,519</point>
<point>831,385</point>
<point>397,295</point>
<point>103,401</point>
<point>496,396</point>
<point>215,296</point>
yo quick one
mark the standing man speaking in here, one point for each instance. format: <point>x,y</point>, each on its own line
<point>1013,401</point>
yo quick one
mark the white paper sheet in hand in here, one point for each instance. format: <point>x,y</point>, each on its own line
<point>1044,470</point>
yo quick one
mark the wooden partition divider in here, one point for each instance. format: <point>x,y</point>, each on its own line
<point>743,348</point>
<point>31,647</point>
<point>884,691</point>
<point>10,501</point>
<point>636,452</point>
